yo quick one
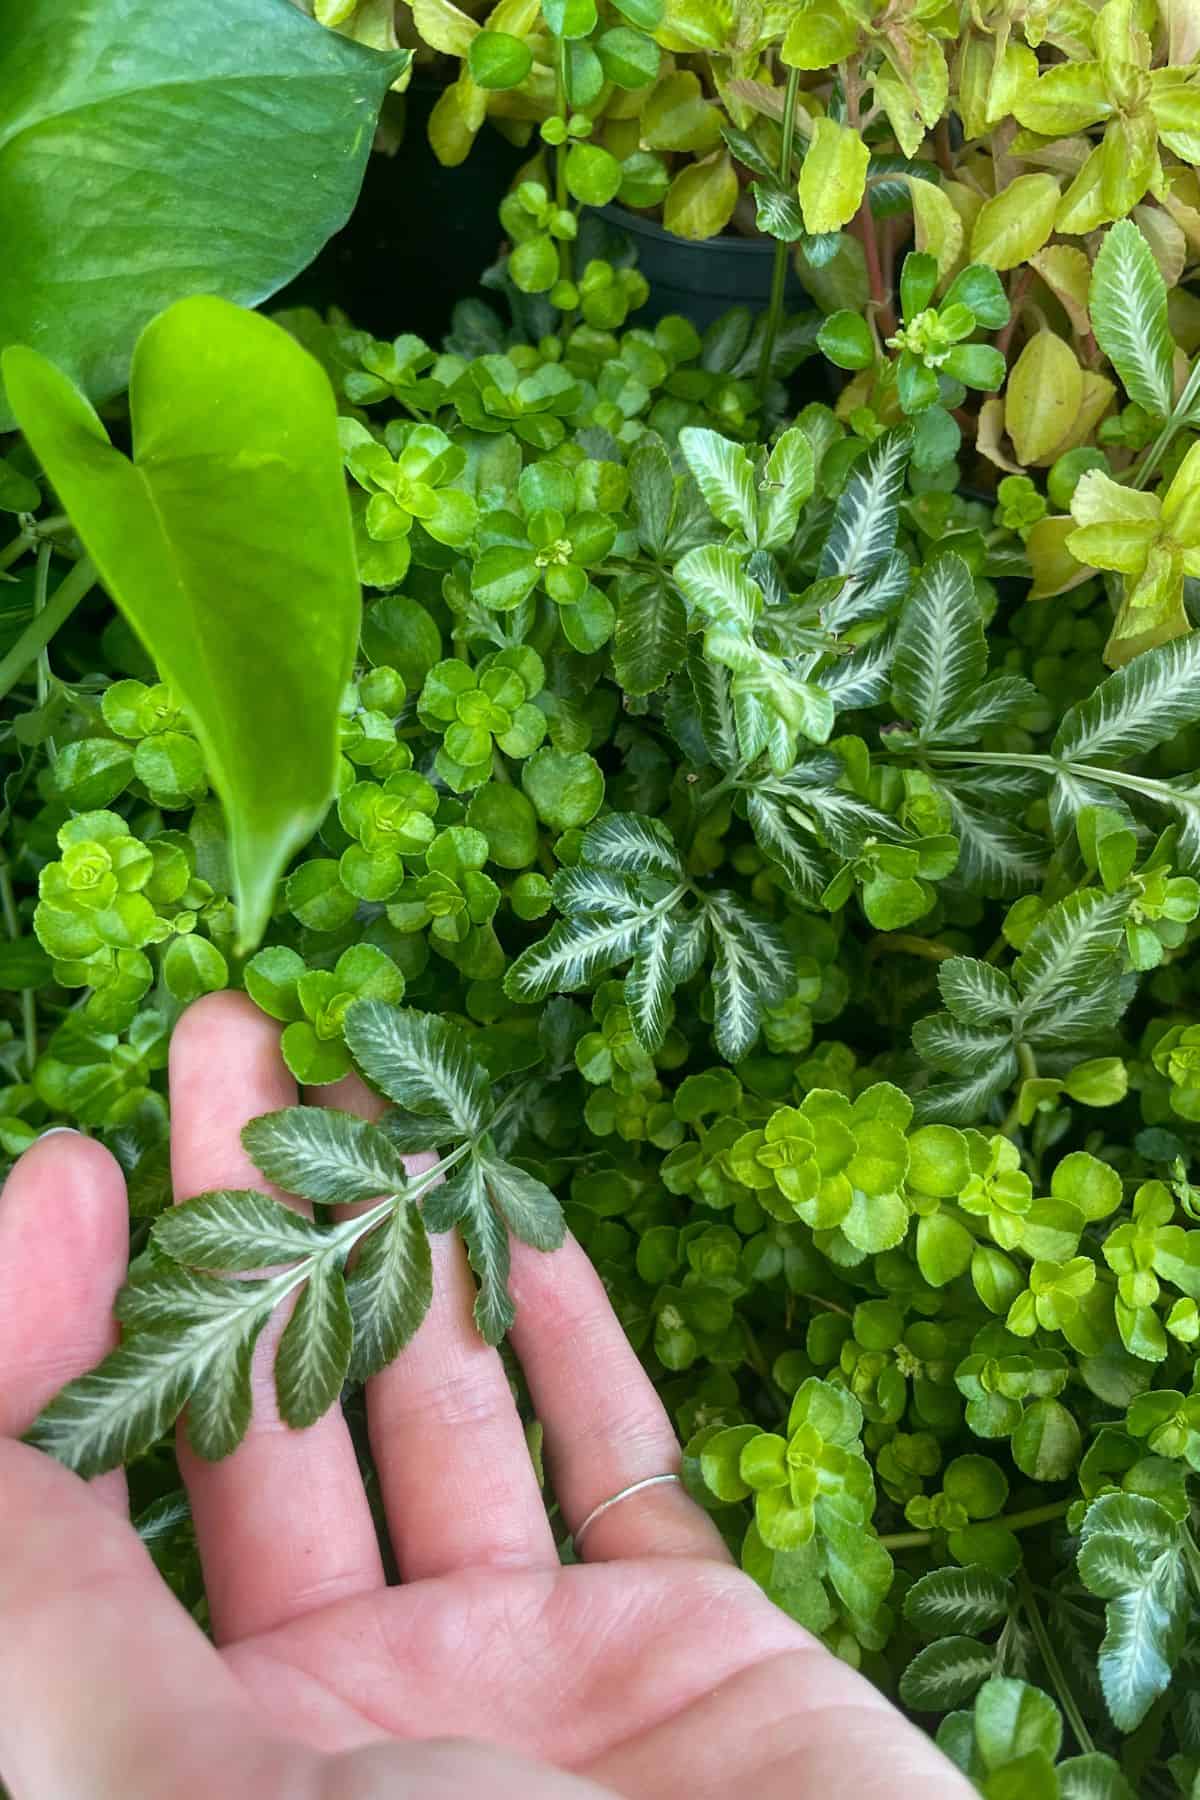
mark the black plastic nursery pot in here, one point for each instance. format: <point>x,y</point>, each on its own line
<point>421,234</point>
<point>704,279</point>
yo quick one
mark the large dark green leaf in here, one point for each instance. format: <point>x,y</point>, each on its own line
<point>227,543</point>
<point>151,149</point>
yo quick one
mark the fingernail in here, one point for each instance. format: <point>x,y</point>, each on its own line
<point>57,1131</point>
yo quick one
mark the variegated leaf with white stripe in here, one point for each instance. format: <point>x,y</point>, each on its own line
<point>941,653</point>
<point>421,1061</point>
<point>868,513</point>
<point>725,476</point>
<point>633,844</point>
<point>1143,705</point>
<point>752,968</point>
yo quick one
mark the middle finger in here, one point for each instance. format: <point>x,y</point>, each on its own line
<point>457,1480</point>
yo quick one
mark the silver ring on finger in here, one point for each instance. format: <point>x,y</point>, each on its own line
<point>626,1493</point>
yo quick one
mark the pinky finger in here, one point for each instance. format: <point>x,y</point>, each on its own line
<point>64,1243</point>
<point>606,1428</point>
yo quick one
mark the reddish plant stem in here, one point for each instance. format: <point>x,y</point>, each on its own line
<point>888,256</point>
<point>1016,301</point>
<point>864,219</point>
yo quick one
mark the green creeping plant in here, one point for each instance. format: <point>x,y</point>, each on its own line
<point>721,863</point>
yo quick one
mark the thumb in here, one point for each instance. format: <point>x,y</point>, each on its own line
<point>109,1687</point>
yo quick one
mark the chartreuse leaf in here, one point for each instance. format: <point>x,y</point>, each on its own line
<point>251,139</point>
<point>1127,304</point>
<point>833,176</point>
<point>227,544</point>
<point>1013,226</point>
<point>1042,401</point>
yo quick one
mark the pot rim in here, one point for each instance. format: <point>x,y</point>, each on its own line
<point>649,228</point>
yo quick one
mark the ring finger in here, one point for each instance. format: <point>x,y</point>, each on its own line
<point>606,1428</point>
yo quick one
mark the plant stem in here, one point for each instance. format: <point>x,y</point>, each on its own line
<point>1177,420</point>
<point>1016,299</point>
<point>12,925</point>
<point>1054,1668</point>
<point>1027,1065</point>
<point>14,549</point>
<point>911,944</point>
<point>864,218</point>
<point>783,250</point>
<point>41,591</point>
<point>1022,1521</point>
<point>828,1305</point>
<point>42,627</point>
<point>566,265</point>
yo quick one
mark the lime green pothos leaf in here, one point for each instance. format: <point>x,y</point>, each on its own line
<point>250,139</point>
<point>227,543</point>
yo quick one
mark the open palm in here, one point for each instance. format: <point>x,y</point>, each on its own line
<point>654,1669</point>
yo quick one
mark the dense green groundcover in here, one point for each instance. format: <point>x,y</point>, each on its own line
<point>740,805</point>
<point>714,761</point>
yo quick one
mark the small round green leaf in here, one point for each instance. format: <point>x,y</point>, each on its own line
<point>498,60</point>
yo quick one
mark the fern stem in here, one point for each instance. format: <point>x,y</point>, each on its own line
<point>1053,1666</point>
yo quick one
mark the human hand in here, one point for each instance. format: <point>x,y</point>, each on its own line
<point>655,1669</point>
